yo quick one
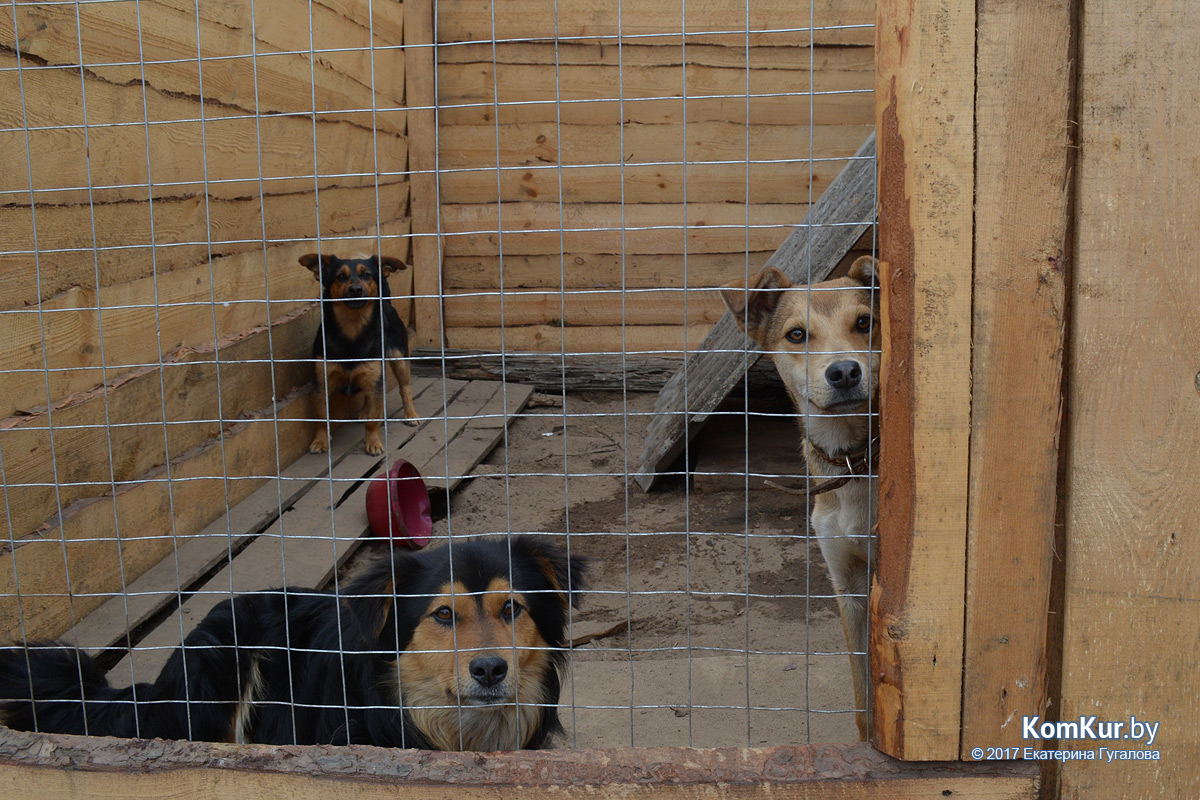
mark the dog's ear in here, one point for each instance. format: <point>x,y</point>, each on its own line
<point>865,270</point>
<point>369,600</point>
<point>752,305</point>
<point>314,262</point>
<point>567,574</point>
<point>389,264</point>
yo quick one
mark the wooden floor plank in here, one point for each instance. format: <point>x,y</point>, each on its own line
<point>159,586</point>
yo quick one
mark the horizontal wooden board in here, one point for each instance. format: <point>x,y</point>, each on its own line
<point>226,157</point>
<point>155,41</point>
<point>534,228</point>
<point>480,146</point>
<point>666,340</point>
<point>103,544</point>
<point>142,322</point>
<point>694,306</point>
<point>758,183</point>
<point>829,93</point>
<point>719,22</point>
<point>608,271</point>
<point>187,230</point>
<point>117,433</point>
<point>58,766</point>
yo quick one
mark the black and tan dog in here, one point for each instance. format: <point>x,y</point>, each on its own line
<point>825,342</point>
<point>453,648</point>
<point>360,332</point>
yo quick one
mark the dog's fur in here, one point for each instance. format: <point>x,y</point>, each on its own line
<point>359,332</point>
<point>453,648</point>
<point>825,344</point>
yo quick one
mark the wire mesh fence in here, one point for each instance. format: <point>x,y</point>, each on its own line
<point>569,186</point>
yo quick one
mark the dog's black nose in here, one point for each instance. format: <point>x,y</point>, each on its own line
<point>489,670</point>
<point>355,290</point>
<point>843,374</point>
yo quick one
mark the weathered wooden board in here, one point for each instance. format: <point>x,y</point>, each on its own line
<point>589,307</point>
<point>582,340</point>
<point>102,544</point>
<point>57,766</point>
<point>116,433</point>
<point>521,144</point>
<point>158,586</point>
<point>759,182</point>
<point>925,100</point>
<point>611,270</point>
<point>545,228</point>
<point>1132,584</point>
<point>834,224</point>
<point>562,373</point>
<point>724,22</point>
<point>1021,216</point>
<point>115,41</point>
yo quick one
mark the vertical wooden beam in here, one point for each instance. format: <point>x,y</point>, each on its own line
<point>420,91</point>
<point>1132,586</point>
<point>1022,167</point>
<point>924,93</point>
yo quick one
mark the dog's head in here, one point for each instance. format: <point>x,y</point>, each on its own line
<point>353,281</point>
<point>480,628</point>
<point>824,339</point>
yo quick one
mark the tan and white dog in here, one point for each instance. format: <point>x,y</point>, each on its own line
<point>825,342</point>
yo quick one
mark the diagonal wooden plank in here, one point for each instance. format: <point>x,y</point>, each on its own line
<point>159,586</point>
<point>478,437</point>
<point>831,227</point>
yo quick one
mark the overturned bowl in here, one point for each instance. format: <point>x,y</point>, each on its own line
<point>398,506</point>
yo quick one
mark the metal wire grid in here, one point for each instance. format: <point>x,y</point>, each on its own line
<point>571,418</point>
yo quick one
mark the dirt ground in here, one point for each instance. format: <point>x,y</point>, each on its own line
<point>733,636</point>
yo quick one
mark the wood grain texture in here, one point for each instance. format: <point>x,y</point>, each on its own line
<point>1132,588</point>
<point>98,546</point>
<point>925,96</point>
<point>420,96</point>
<point>834,224</point>
<point>1022,167</point>
<point>58,766</point>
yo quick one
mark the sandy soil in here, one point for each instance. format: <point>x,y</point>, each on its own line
<point>733,637</point>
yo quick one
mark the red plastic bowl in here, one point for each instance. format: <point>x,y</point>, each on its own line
<point>398,507</point>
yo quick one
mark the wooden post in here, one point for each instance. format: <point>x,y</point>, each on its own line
<point>1132,585</point>
<point>424,204</point>
<point>924,93</point>
<point>1022,168</point>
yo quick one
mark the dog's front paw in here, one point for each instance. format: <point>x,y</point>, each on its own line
<point>319,445</point>
<point>374,447</point>
<point>412,423</point>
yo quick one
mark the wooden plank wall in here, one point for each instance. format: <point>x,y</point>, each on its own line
<point>1132,587</point>
<point>594,165</point>
<point>154,202</point>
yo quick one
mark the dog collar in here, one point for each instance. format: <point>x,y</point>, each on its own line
<point>857,461</point>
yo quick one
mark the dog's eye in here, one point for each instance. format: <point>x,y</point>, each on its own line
<point>444,615</point>
<point>511,610</point>
<point>796,335</point>
<point>863,323</point>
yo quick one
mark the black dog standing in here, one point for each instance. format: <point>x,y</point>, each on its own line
<point>359,332</point>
